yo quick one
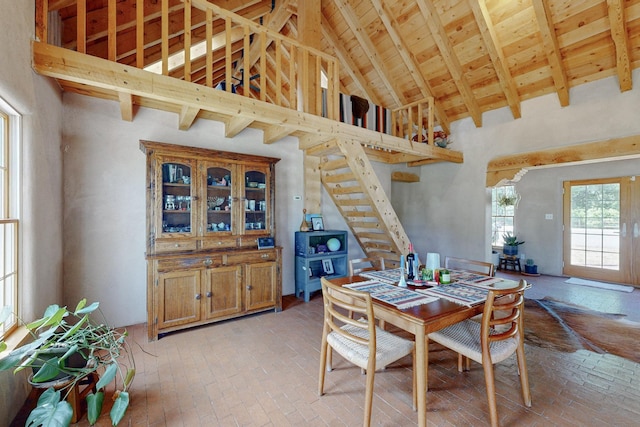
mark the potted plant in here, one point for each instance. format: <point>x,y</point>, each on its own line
<point>59,336</point>
<point>511,244</point>
<point>530,267</point>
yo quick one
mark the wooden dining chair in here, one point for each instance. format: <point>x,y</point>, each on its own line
<point>473,266</point>
<point>359,265</point>
<point>493,340</point>
<point>358,341</point>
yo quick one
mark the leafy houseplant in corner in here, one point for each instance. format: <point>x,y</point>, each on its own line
<point>530,267</point>
<point>511,244</point>
<point>60,336</point>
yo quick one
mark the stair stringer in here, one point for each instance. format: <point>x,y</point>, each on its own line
<point>354,187</point>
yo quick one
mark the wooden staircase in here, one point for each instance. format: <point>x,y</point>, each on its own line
<point>349,178</point>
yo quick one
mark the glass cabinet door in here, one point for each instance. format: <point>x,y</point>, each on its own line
<point>255,200</point>
<point>177,188</point>
<point>219,199</point>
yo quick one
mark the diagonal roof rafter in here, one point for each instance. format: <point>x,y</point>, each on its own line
<point>426,90</point>
<point>552,49</point>
<point>492,44</point>
<point>370,50</point>
<point>616,14</point>
<point>450,59</point>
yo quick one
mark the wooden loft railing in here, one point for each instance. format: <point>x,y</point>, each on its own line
<point>415,119</point>
<point>193,41</point>
<point>215,46</point>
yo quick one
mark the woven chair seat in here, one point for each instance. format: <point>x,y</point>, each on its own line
<point>464,338</point>
<point>389,347</point>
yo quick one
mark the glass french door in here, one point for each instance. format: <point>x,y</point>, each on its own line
<point>601,235</point>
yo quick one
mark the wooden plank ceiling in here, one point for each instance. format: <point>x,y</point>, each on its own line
<point>472,56</point>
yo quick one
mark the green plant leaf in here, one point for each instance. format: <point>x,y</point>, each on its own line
<point>94,406</point>
<point>49,370</point>
<point>89,309</point>
<point>119,408</point>
<point>80,305</point>
<point>50,411</point>
<point>108,376</point>
<point>53,315</point>
<point>75,328</point>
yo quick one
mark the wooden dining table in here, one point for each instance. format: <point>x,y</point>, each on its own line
<point>420,321</point>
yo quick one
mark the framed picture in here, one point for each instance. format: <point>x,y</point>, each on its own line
<point>317,224</point>
<point>327,266</point>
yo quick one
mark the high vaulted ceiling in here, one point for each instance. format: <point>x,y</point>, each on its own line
<point>472,56</point>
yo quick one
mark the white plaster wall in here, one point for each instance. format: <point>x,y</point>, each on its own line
<point>38,100</point>
<point>448,211</point>
<point>104,216</point>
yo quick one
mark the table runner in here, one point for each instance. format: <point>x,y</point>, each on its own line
<point>399,297</point>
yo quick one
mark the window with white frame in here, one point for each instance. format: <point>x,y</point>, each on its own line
<point>9,221</point>
<point>503,207</point>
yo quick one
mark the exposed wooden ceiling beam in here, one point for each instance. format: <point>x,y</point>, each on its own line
<point>348,65</point>
<point>492,44</point>
<point>370,51</point>
<point>503,167</point>
<point>425,89</point>
<point>620,39</point>
<point>552,49</point>
<point>431,17</point>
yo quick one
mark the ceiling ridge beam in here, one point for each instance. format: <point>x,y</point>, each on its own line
<point>409,61</point>
<point>369,49</point>
<point>552,49</point>
<point>615,10</point>
<point>450,59</point>
<point>493,46</point>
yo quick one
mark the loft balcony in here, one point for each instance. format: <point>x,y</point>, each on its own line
<point>180,55</point>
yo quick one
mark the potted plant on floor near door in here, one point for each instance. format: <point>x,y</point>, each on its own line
<point>530,267</point>
<point>102,350</point>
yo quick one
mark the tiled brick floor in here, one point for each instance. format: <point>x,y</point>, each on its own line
<point>262,370</point>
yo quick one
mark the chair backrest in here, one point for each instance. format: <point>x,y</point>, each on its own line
<point>478,267</point>
<point>359,265</point>
<point>338,303</point>
<point>503,315</point>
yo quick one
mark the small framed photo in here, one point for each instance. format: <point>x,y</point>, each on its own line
<point>327,266</point>
<point>310,272</point>
<point>317,224</point>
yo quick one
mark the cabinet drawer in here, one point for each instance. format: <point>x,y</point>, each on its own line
<point>251,257</point>
<point>218,243</point>
<point>175,245</point>
<point>189,263</point>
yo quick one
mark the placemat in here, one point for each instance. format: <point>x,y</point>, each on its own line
<point>394,295</point>
<point>458,292</point>
<point>391,276</point>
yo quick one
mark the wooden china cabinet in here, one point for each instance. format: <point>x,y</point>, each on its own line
<point>206,211</point>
